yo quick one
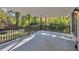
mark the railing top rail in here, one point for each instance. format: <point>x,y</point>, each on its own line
<point>13,28</point>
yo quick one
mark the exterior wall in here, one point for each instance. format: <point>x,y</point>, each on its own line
<point>75,33</point>
<point>73,36</point>
<point>78,32</point>
<point>78,28</point>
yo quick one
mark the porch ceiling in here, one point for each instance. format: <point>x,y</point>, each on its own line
<point>44,11</point>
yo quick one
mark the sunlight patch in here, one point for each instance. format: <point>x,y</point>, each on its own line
<point>53,35</point>
<point>24,41</point>
<point>8,47</point>
<point>45,34</point>
<point>65,38</point>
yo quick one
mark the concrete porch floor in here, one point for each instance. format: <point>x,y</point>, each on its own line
<point>41,41</point>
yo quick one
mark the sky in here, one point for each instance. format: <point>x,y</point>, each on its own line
<point>44,11</point>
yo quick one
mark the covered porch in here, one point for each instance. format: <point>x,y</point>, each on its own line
<point>38,37</point>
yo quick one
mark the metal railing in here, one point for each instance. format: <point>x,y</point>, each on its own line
<point>55,27</point>
<point>13,33</point>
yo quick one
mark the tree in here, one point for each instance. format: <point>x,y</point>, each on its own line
<point>34,20</point>
<point>11,17</point>
<point>3,15</point>
<point>17,15</point>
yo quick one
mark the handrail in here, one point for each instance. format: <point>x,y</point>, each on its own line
<point>9,34</point>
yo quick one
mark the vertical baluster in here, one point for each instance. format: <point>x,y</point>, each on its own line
<point>29,24</point>
<point>23,31</point>
<point>13,33</point>
<point>10,34</point>
<point>1,38</point>
<point>26,31</point>
<point>16,33</point>
<point>6,35</point>
<point>20,33</point>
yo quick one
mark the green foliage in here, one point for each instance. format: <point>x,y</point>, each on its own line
<point>2,17</point>
<point>24,20</point>
<point>59,23</point>
<point>17,15</point>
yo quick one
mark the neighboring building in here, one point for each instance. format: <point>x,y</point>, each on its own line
<point>75,27</point>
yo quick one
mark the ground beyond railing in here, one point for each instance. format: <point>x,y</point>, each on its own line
<point>13,33</point>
